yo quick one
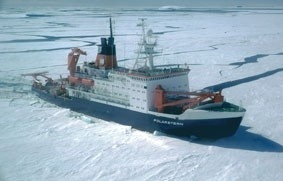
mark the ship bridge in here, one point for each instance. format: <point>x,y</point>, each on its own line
<point>159,73</point>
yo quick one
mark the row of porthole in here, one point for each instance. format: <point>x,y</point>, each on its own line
<point>138,107</point>
<point>154,78</point>
<point>138,99</point>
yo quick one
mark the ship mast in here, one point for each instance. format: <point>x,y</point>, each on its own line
<point>146,48</point>
<point>111,32</point>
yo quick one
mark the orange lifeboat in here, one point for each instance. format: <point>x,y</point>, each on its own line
<point>88,82</point>
<point>75,80</point>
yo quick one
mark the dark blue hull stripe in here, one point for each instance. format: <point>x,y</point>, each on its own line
<point>208,128</point>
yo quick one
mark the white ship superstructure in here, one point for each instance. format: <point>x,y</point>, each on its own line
<point>130,88</point>
<point>134,90</point>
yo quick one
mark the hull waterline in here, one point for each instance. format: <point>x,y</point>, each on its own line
<point>203,128</point>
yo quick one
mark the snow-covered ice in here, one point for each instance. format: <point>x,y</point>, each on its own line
<point>236,49</point>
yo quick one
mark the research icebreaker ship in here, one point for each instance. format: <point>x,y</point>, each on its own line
<point>146,97</point>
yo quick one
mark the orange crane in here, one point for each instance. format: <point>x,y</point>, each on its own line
<point>161,100</point>
<point>73,58</point>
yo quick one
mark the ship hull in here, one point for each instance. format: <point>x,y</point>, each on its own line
<point>203,127</point>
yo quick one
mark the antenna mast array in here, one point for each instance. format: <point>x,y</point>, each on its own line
<point>146,47</point>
